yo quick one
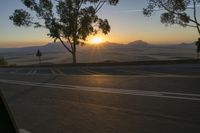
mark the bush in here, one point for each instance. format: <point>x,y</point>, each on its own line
<point>3,62</point>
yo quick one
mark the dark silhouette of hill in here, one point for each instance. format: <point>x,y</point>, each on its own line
<point>139,43</point>
<point>57,47</point>
<point>134,51</point>
<point>186,45</point>
<point>50,47</point>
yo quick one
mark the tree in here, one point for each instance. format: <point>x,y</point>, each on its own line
<point>39,54</point>
<point>3,61</point>
<point>68,21</point>
<point>175,12</point>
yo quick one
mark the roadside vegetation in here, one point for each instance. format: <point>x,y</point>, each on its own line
<point>3,62</point>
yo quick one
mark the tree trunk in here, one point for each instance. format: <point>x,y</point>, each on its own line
<point>198,30</point>
<point>39,60</point>
<point>74,58</point>
<point>74,54</point>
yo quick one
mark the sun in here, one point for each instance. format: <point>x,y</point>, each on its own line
<point>96,40</point>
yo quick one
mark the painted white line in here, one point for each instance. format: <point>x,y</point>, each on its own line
<point>23,131</point>
<point>92,72</point>
<point>34,71</point>
<point>30,71</point>
<point>169,95</point>
<point>53,71</point>
<point>60,72</point>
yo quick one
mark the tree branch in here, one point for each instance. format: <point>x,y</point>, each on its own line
<point>195,17</point>
<point>81,3</point>
<point>99,6</point>
<point>196,22</point>
<point>189,25</point>
<point>65,45</point>
<point>37,24</point>
<point>71,44</point>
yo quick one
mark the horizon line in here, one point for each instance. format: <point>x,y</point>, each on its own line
<point>115,43</point>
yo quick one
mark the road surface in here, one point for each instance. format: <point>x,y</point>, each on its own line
<point>123,99</point>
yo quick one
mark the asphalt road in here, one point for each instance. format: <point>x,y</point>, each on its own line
<point>126,99</point>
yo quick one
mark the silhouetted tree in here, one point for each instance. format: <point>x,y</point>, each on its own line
<point>3,61</point>
<point>69,21</point>
<point>39,55</point>
<point>198,47</point>
<point>175,12</point>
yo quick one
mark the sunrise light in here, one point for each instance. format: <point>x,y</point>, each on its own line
<point>96,40</point>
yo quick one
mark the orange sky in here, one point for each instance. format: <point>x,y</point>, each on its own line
<point>127,24</point>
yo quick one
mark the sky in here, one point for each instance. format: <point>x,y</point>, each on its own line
<point>127,25</point>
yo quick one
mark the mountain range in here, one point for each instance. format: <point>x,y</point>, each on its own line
<point>133,51</point>
<point>57,47</point>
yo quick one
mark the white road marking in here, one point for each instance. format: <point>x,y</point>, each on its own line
<point>53,71</point>
<point>23,131</point>
<point>137,73</point>
<point>31,70</point>
<point>60,72</point>
<point>34,71</point>
<point>159,94</point>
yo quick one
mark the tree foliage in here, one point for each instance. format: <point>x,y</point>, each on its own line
<point>39,54</point>
<point>3,61</point>
<point>68,21</point>
<point>175,12</point>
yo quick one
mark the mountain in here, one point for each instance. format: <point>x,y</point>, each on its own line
<point>53,47</point>
<point>133,51</point>
<point>187,45</point>
<point>58,47</point>
<point>50,47</point>
<point>138,43</point>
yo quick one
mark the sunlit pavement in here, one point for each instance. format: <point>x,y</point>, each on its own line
<point>126,99</point>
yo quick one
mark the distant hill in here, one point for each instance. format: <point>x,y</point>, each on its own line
<point>107,51</point>
<point>139,43</point>
<point>57,47</point>
<point>51,47</point>
<point>187,45</point>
